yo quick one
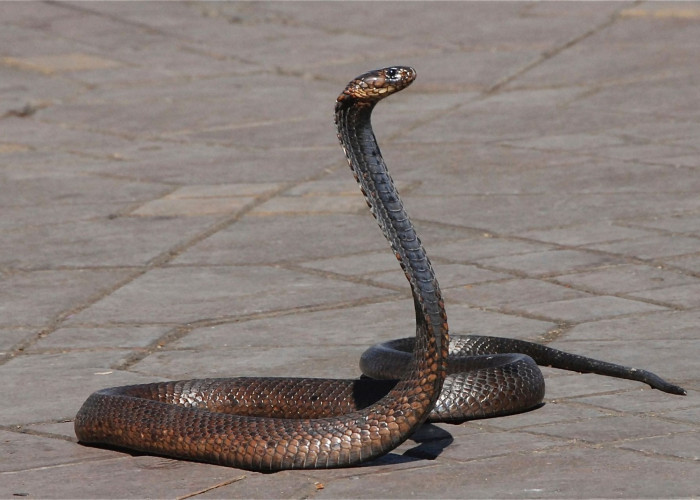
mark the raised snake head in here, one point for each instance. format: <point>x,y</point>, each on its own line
<point>375,85</point>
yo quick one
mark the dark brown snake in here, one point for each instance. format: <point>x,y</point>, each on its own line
<point>292,423</point>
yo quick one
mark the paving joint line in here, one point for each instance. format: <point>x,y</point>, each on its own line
<point>651,453</point>
<point>84,10</point>
<point>182,331</point>
<point>69,464</point>
<point>342,277</point>
<point>33,432</point>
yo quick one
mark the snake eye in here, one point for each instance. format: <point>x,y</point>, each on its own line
<point>392,73</point>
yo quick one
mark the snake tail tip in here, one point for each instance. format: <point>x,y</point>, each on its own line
<point>675,389</point>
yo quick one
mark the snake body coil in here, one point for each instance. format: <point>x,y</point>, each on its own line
<point>278,423</point>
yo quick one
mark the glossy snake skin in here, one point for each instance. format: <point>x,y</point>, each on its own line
<point>292,423</point>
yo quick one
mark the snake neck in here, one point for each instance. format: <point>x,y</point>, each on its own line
<point>370,171</point>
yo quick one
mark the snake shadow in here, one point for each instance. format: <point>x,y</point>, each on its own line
<point>431,440</point>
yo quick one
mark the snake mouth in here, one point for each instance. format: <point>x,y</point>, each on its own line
<point>378,84</point>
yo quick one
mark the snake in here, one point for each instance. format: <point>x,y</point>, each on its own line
<point>274,423</point>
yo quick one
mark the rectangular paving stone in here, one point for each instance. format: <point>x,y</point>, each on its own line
<point>682,295</point>
<point>121,241</point>
<point>656,153</point>
<point>25,451</point>
<point>19,97</point>
<point>311,205</point>
<point>337,183</point>
<point>11,337</point>
<point>370,264</point>
<point>359,326</point>
<point>164,60</point>
<point>683,445</point>
<point>27,15</point>
<point>689,415</point>
<point>634,62</point>
<point>166,207</point>
<point>55,137</point>
<point>530,97</point>
<point>55,163</point>
<point>490,166</point>
<point>514,214</point>
<point>647,402</point>
<point>629,278</point>
<point>186,294</point>
<point>602,430</point>
<point>288,112</point>
<point>555,118</point>
<point>236,110</point>
<point>64,429</point>
<point>131,35</point>
<point>257,240</point>
<point>664,129</point>
<point>60,63</point>
<point>449,276</point>
<point>283,133</point>
<point>570,142</point>
<point>464,320</point>
<point>582,176</point>
<point>679,223</point>
<point>671,325</point>
<point>583,234</point>
<point>30,42</point>
<point>589,308</point>
<point>690,263</point>
<point>223,190</point>
<point>172,162</point>
<point>690,160</point>
<point>24,188</point>
<point>553,411</point>
<point>475,69</point>
<point>652,246</point>
<point>473,249</point>
<point>480,445</point>
<point>18,218</point>
<point>242,361</point>
<point>515,293</point>
<point>126,477</point>
<point>549,262</point>
<point>94,338</point>
<point>581,472</point>
<point>48,397</point>
<point>646,98</point>
<point>32,299</point>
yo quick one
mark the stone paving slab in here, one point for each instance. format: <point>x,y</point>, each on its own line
<point>174,204</point>
<point>34,299</point>
<point>189,294</point>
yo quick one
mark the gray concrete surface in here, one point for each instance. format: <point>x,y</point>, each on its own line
<point>173,204</point>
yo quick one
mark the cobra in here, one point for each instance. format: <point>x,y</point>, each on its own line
<point>270,424</point>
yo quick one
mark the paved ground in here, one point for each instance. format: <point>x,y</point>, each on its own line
<point>173,204</point>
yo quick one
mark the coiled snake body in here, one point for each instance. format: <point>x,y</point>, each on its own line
<point>277,423</point>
